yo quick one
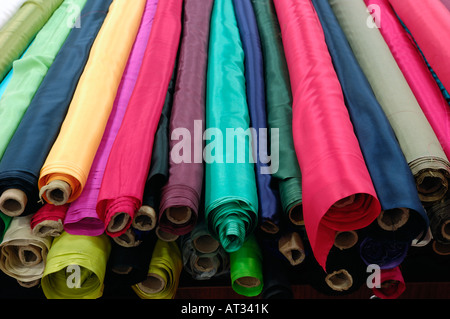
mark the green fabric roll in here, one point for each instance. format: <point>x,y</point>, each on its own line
<point>279,104</point>
<point>231,200</point>
<point>76,267</point>
<point>30,70</point>
<point>16,35</point>
<point>246,269</point>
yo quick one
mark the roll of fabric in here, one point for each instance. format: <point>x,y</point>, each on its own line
<point>128,266</point>
<point>446,3</point>
<point>5,221</point>
<point>183,189</point>
<point>391,176</point>
<point>159,166</point>
<point>423,20</point>
<point>246,269</point>
<point>4,83</point>
<point>338,194</point>
<point>27,22</point>
<point>416,72</point>
<point>32,67</point>
<point>163,273</point>
<point>231,208</point>
<point>439,215</point>
<point>65,171</point>
<point>277,284</point>
<point>48,220</point>
<point>202,240</point>
<point>8,9</point>
<point>23,255</point>
<point>279,109</point>
<point>20,166</point>
<point>392,284</point>
<point>76,267</point>
<point>256,97</point>
<point>82,217</point>
<point>128,162</point>
<point>418,142</point>
<point>387,254</point>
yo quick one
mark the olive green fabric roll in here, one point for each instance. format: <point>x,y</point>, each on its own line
<point>246,269</point>
<point>418,142</point>
<point>231,200</point>
<point>19,31</point>
<point>279,107</point>
<point>76,267</point>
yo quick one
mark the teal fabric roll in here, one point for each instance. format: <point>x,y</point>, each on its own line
<point>231,200</point>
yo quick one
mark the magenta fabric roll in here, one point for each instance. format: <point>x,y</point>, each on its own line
<point>184,186</point>
<point>446,3</point>
<point>82,217</point>
<point>416,72</point>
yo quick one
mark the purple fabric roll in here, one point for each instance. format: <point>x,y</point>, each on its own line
<point>184,187</point>
<point>82,218</point>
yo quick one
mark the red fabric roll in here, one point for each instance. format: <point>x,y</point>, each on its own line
<point>129,161</point>
<point>392,284</point>
<point>338,194</point>
<point>429,23</point>
<point>48,220</point>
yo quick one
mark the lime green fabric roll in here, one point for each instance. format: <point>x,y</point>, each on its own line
<point>246,269</point>
<point>16,35</point>
<point>76,267</point>
<point>163,273</point>
<point>30,70</point>
<point>231,201</point>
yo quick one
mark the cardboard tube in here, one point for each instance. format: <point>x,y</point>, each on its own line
<point>296,215</point>
<point>269,227</point>
<point>13,202</point>
<point>393,219</point>
<point>179,215</point>
<point>49,228</point>
<point>204,264</point>
<point>153,284</point>
<point>145,219</point>
<point>127,239</point>
<point>346,239</point>
<point>339,280</point>
<point>57,192</point>
<point>445,229</point>
<point>291,246</point>
<point>345,201</point>
<point>248,282</point>
<point>118,222</point>
<point>29,255</point>
<point>205,244</point>
<point>29,284</point>
<point>165,236</point>
<point>441,248</point>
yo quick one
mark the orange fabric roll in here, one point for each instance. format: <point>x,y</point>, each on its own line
<point>67,166</point>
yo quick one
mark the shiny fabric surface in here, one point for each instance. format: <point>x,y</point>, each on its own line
<point>20,166</point>
<point>429,23</point>
<point>418,142</point>
<point>72,154</point>
<point>129,163</point>
<point>231,199</point>
<point>82,217</point>
<point>8,9</point>
<point>27,22</point>
<point>390,173</point>
<point>185,181</point>
<point>338,194</point>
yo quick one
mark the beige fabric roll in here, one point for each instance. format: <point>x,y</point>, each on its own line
<point>416,137</point>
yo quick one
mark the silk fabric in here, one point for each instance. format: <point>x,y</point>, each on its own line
<point>9,8</point>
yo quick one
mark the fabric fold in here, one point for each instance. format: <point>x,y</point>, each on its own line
<point>338,194</point>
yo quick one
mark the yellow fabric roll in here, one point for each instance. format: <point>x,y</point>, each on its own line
<point>67,166</point>
<point>76,267</point>
<point>23,255</point>
<point>163,273</point>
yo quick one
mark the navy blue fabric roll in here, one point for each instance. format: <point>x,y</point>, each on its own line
<point>269,207</point>
<point>21,163</point>
<point>388,168</point>
<point>387,254</point>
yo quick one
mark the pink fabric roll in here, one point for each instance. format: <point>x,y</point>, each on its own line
<point>446,3</point>
<point>392,284</point>
<point>429,23</point>
<point>82,217</point>
<point>416,72</point>
<point>338,194</point>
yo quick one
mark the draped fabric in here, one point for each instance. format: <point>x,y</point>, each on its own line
<point>82,218</point>
<point>76,267</point>
<point>48,220</point>
<point>390,173</point>
<point>418,142</point>
<point>231,199</point>
<point>256,97</point>
<point>65,171</point>
<point>392,284</point>
<point>20,166</point>
<point>23,254</point>
<point>183,189</point>
<point>31,68</point>
<point>338,194</point>
<point>279,109</point>
<point>163,272</point>
<point>8,9</point>
<point>423,20</point>
<point>416,72</point>
<point>27,22</point>
<point>128,164</point>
